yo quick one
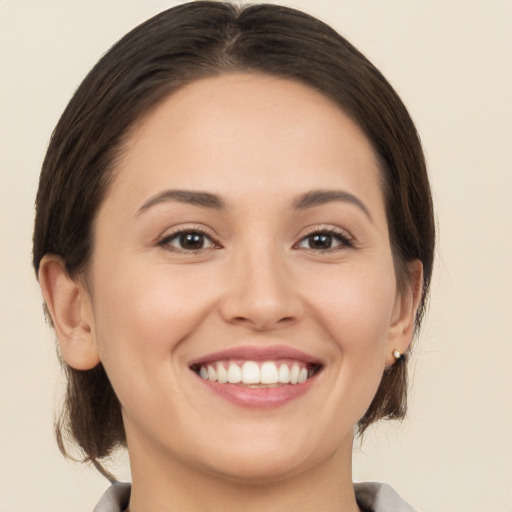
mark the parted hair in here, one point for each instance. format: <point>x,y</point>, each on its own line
<point>174,48</point>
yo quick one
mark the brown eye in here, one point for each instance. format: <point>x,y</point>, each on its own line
<point>324,241</point>
<point>188,241</point>
<point>320,241</point>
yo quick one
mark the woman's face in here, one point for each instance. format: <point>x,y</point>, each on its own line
<point>244,236</point>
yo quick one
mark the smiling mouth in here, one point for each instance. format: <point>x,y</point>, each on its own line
<point>257,374</point>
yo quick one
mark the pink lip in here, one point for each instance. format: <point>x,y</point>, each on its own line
<point>256,353</point>
<point>257,398</point>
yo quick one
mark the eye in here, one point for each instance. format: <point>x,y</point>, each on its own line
<point>325,240</point>
<point>190,241</point>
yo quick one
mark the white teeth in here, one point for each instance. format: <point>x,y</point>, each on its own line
<point>222,374</point>
<point>234,373</point>
<point>253,373</point>
<point>212,374</point>
<point>250,373</point>
<point>294,373</point>
<point>269,374</point>
<point>284,374</point>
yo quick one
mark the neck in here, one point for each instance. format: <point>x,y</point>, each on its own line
<point>169,486</point>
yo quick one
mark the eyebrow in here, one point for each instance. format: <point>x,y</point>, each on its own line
<point>204,199</point>
<point>321,197</point>
<point>208,200</point>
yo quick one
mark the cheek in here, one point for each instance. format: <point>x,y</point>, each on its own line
<point>143,319</point>
<point>355,311</point>
<point>356,306</point>
<point>145,312</point>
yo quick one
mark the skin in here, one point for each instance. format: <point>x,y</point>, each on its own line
<point>148,308</point>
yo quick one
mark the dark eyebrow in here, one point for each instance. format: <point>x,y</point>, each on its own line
<point>204,199</point>
<point>320,197</point>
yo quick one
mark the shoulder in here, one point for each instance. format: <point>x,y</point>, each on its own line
<point>378,497</point>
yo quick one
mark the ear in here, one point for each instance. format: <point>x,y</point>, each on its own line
<point>404,313</point>
<point>71,312</point>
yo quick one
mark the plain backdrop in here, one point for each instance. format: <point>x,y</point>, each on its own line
<point>450,61</point>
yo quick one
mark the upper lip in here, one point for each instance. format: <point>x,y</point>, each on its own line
<point>257,353</point>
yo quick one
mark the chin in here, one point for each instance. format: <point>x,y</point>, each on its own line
<point>266,460</point>
<point>260,469</point>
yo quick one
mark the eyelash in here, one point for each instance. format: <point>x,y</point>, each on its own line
<point>345,241</point>
<point>165,242</point>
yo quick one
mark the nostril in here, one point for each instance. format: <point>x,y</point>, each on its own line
<point>263,324</point>
<point>260,313</point>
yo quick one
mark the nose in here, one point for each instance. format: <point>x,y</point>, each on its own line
<point>261,294</point>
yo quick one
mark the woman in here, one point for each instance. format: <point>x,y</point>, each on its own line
<point>234,239</point>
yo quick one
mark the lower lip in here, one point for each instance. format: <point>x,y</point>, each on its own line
<point>259,398</point>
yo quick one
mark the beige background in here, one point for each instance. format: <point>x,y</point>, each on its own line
<point>451,62</point>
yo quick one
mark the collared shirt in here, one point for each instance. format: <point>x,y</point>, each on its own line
<point>370,496</point>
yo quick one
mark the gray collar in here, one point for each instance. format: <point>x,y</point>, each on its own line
<point>371,496</point>
<point>377,497</point>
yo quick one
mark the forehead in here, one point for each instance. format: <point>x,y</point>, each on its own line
<point>259,132</point>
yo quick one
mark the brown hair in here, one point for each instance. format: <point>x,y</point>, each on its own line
<point>176,47</point>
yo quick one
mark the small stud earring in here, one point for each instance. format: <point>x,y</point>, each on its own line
<point>397,354</point>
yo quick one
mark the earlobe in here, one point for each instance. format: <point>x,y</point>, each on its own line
<point>404,313</point>
<point>69,307</point>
